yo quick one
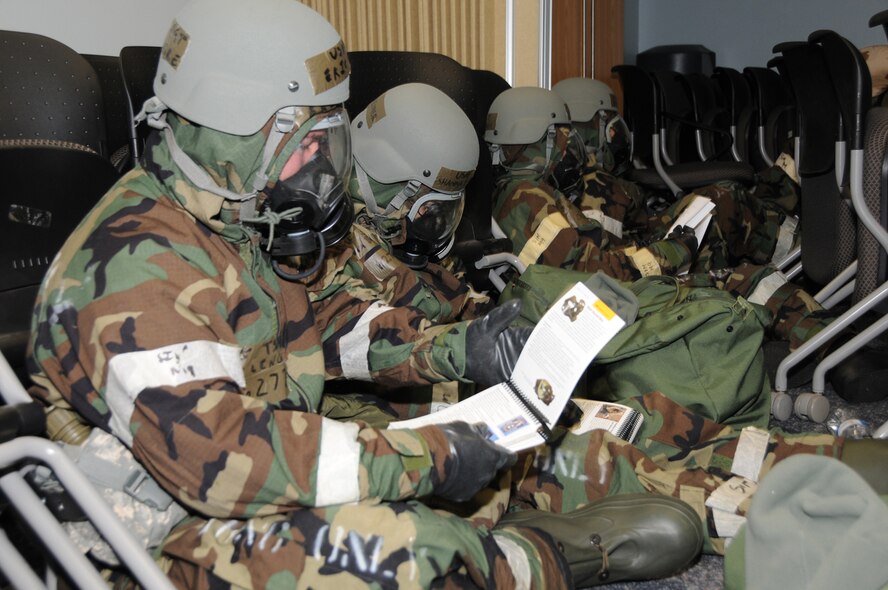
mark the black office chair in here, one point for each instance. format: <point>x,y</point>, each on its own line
<point>880,19</point>
<point>49,93</point>
<point>864,131</point>
<point>774,119</point>
<point>53,161</point>
<point>117,121</point>
<point>643,114</point>
<point>827,218</point>
<point>738,106</point>
<point>712,120</point>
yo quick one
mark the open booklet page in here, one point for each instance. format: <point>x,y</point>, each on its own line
<point>556,354</point>
<point>619,420</point>
<point>697,216</point>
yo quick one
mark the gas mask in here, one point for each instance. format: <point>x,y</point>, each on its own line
<point>307,208</point>
<point>431,225</point>
<point>566,173</point>
<point>607,138</point>
<point>419,223</point>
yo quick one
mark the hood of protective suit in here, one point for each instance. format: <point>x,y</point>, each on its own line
<point>231,160</point>
<point>536,162</point>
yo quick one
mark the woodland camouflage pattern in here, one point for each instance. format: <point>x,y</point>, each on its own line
<point>160,267</point>
<point>734,255</point>
<point>521,205</point>
<point>411,544</point>
<point>440,294</point>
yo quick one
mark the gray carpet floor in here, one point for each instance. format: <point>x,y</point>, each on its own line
<point>707,573</point>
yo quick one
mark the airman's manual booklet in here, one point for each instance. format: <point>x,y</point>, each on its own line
<point>520,412</point>
<point>697,216</point>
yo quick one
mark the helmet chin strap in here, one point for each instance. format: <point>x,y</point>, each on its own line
<point>496,154</point>
<point>410,189</point>
<point>155,112</point>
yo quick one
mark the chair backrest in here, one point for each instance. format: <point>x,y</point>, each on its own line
<point>48,190</point>
<point>117,121</point>
<point>640,110</point>
<point>53,159</point>
<point>774,120</point>
<point>827,221</point>
<point>739,106</point>
<point>880,19</point>
<point>710,111</point>
<point>872,268</point>
<point>853,85</point>
<point>138,64</point>
<point>49,93</point>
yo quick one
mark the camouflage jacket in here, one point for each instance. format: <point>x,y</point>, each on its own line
<point>360,274</point>
<point>546,228</point>
<point>162,322</point>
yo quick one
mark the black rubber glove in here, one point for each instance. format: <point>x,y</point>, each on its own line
<point>686,235</point>
<point>492,346</point>
<point>473,461</point>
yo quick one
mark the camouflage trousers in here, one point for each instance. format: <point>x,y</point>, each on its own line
<point>744,227</point>
<point>795,315</point>
<point>417,544</point>
<point>747,221</point>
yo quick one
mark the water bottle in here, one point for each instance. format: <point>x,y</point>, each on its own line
<point>844,422</point>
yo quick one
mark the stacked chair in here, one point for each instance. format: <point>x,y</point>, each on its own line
<point>645,114</point>
<point>836,74</point>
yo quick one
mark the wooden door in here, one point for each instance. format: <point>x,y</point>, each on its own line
<point>587,40</point>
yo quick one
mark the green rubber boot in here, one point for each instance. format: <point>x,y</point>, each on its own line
<point>624,537</point>
<point>869,458</point>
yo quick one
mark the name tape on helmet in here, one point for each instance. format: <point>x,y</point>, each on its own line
<point>490,122</point>
<point>174,45</point>
<point>328,68</point>
<point>450,181</point>
<point>375,111</point>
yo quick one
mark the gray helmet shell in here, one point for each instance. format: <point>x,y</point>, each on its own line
<point>416,132</point>
<point>523,114</point>
<point>585,97</point>
<point>232,64</point>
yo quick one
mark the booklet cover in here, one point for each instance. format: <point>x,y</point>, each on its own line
<point>520,412</point>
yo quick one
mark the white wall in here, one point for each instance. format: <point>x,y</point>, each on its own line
<point>744,32</point>
<point>92,26</point>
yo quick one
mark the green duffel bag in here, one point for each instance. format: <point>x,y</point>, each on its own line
<point>701,347</point>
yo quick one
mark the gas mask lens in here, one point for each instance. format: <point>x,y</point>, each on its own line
<point>433,219</point>
<point>317,171</point>
<point>567,173</point>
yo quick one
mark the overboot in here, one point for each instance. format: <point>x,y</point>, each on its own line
<point>624,537</point>
<point>869,458</point>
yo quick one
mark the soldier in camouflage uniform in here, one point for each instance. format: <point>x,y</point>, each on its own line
<point>414,152</point>
<point>176,317</point>
<point>596,221</point>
